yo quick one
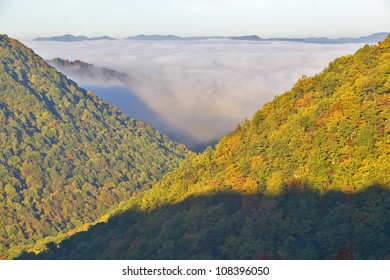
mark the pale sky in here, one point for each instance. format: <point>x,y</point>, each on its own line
<point>27,19</point>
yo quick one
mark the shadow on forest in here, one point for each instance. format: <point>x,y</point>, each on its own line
<point>295,225</point>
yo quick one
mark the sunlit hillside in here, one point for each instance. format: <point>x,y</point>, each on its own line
<point>306,178</point>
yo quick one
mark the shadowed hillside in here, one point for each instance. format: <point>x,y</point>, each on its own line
<point>299,224</point>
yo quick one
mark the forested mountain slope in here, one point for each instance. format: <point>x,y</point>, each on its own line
<point>66,156</point>
<point>307,178</point>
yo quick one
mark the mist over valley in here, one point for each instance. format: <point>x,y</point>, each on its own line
<point>193,91</point>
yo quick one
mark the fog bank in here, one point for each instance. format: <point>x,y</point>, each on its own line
<point>201,89</point>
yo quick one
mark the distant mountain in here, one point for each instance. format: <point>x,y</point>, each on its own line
<point>88,73</point>
<point>72,38</point>
<point>156,37</point>
<point>171,38</point>
<point>66,156</point>
<point>306,178</point>
<point>374,38</point>
<point>247,38</point>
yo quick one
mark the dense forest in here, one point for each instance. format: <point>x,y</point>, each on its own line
<point>66,156</point>
<point>306,178</point>
<point>230,225</point>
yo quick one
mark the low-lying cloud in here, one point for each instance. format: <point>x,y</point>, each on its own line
<point>201,89</point>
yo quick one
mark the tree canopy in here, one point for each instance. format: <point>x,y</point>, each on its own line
<point>66,156</point>
<point>307,178</point>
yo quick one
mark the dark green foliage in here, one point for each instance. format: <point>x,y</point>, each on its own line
<point>295,225</point>
<point>66,156</point>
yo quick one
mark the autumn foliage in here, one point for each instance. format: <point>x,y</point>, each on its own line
<point>66,156</point>
<point>307,175</point>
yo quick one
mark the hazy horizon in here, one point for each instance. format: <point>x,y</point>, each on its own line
<point>199,35</point>
<point>26,20</point>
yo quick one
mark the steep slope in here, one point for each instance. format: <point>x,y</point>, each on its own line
<point>115,87</point>
<point>330,131</point>
<point>66,156</point>
<point>118,89</point>
<point>307,178</point>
